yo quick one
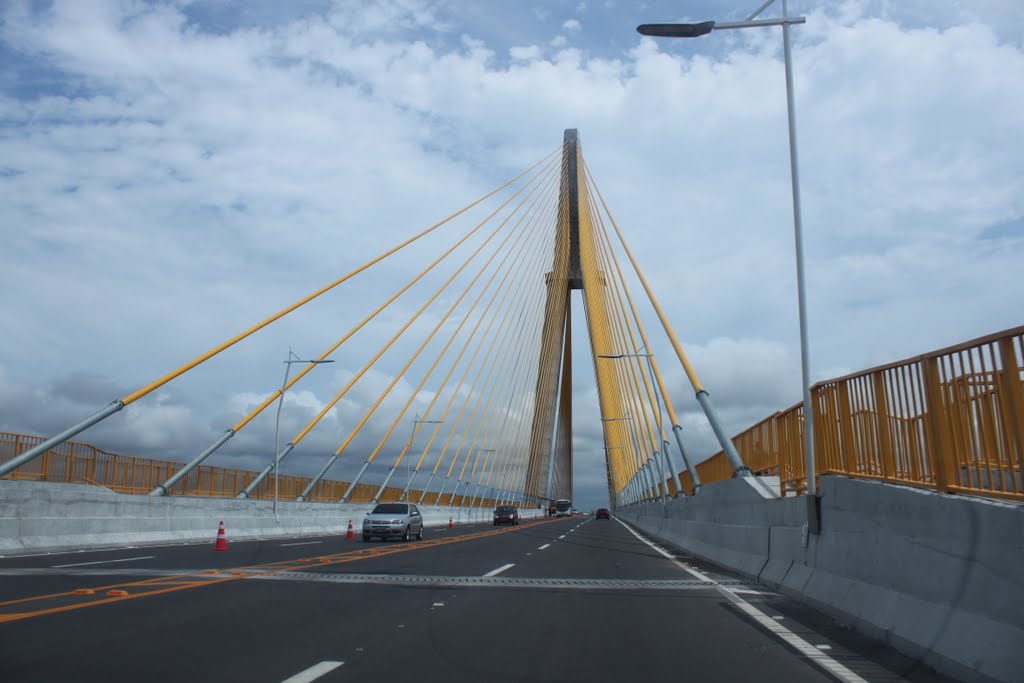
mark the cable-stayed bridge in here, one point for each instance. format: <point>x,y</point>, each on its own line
<point>478,339</point>
<point>488,337</point>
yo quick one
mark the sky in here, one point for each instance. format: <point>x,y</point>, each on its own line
<point>173,172</point>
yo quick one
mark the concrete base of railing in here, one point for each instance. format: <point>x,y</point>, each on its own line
<point>938,577</point>
<point>43,517</point>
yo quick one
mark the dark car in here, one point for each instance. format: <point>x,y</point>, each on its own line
<point>506,514</point>
<point>602,513</point>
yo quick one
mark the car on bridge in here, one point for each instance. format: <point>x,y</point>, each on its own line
<point>393,520</point>
<point>506,514</point>
<point>602,513</point>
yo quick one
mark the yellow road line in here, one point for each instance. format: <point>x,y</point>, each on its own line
<point>164,584</point>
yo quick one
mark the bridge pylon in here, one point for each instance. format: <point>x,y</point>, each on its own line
<point>574,267</point>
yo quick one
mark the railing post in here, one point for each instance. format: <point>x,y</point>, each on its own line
<point>1013,409</point>
<point>845,426</point>
<point>44,466</point>
<point>885,445</point>
<point>937,426</point>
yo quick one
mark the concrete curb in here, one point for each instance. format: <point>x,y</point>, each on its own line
<point>44,517</point>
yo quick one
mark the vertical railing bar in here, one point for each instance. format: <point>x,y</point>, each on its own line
<point>844,425</point>
<point>996,441</point>
<point>1016,416</point>
<point>864,427</point>
<point>882,403</point>
<point>961,405</point>
<point>1012,411</point>
<point>906,468</point>
<point>982,375</point>
<point>924,466</point>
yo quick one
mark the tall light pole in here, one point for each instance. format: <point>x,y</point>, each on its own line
<point>659,489</point>
<point>479,483</point>
<point>703,28</point>
<point>656,388</point>
<point>292,358</point>
<point>408,463</point>
<point>608,465</point>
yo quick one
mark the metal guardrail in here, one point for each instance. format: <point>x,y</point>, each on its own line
<point>81,463</point>
<point>951,420</point>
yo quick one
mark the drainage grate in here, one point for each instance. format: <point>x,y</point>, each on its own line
<point>493,581</point>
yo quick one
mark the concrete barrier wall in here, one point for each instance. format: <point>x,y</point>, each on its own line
<point>44,517</point>
<point>939,577</point>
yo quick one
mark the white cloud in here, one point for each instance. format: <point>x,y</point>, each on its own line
<point>525,53</point>
<point>572,25</point>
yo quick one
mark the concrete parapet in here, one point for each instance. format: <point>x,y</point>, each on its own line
<point>937,576</point>
<point>37,516</point>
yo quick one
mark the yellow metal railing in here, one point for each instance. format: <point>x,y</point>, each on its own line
<point>76,462</point>
<point>950,420</point>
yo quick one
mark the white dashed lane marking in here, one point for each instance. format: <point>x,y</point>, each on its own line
<point>546,545</point>
<point>83,564</point>
<point>285,545</point>
<point>495,572</point>
<point>314,672</point>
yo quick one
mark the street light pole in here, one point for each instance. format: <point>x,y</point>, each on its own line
<point>479,482</point>
<point>656,389</point>
<point>292,358</point>
<point>607,456</point>
<point>693,31</point>
<point>408,463</point>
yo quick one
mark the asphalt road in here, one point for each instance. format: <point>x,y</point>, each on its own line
<point>573,599</point>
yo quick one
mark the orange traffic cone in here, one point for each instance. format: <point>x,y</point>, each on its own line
<point>222,541</point>
<point>351,535</point>
<point>450,524</point>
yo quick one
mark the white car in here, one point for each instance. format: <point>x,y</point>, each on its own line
<point>390,520</point>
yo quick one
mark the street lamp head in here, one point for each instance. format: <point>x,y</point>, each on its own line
<point>676,30</point>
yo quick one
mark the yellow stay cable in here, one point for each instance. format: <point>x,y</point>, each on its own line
<point>555,298</point>
<point>487,379</point>
<point>415,316</point>
<point>643,335</point>
<point>485,337</point>
<point>633,365</point>
<point>469,287</point>
<point>677,347</point>
<point>362,371</point>
<point>505,338</point>
<point>134,396</point>
<point>516,251</point>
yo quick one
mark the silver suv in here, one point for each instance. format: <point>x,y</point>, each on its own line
<point>393,519</point>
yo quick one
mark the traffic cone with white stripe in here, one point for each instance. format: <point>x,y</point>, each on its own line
<point>222,540</point>
<point>351,535</point>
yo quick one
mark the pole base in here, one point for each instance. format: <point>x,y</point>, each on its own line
<point>813,514</point>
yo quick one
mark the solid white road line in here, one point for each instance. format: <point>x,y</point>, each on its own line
<point>82,564</point>
<point>793,640</point>
<point>285,545</point>
<point>546,545</point>
<point>314,672</point>
<point>495,572</point>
